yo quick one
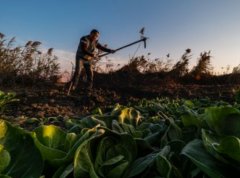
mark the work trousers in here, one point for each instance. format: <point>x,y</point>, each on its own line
<point>87,65</point>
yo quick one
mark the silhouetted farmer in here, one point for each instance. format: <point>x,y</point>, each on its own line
<point>86,52</point>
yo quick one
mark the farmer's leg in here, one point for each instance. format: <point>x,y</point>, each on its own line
<point>77,73</point>
<point>89,72</point>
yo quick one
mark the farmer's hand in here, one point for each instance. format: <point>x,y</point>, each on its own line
<point>112,51</point>
<point>95,55</point>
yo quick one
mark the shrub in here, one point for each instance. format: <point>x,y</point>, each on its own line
<point>203,66</point>
<point>26,62</point>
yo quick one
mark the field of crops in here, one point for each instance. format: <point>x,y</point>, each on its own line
<point>154,138</point>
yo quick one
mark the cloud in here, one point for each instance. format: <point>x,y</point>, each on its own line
<point>113,59</point>
<point>66,59</point>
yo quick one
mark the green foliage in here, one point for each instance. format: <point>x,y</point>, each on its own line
<point>224,120</point>
<point>110,159</point>
<point>126,115</point>
<point>230,146</point>
<point>6,98</point>
<point>237,96</point>
<point>217,154</point>
<point>153,138</point>
<point>5,158</point>
<point>22,151</point>
<point>204,161</point>
<point>53,143</point>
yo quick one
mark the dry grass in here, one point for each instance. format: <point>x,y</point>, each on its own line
<point>24,63</point>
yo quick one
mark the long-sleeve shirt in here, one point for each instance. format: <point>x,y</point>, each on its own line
<point>87,47</point>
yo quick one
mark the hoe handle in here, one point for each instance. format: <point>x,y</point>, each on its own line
<point>143,39</point>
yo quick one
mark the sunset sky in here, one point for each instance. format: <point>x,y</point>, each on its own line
<point>171,25</point>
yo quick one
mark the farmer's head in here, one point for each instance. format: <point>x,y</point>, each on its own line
<point>94,35</point>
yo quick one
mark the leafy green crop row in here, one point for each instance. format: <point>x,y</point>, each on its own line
<point>6,98</point>
<point>155,138</point>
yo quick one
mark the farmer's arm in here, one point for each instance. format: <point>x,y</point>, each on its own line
<point>99,46</point>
